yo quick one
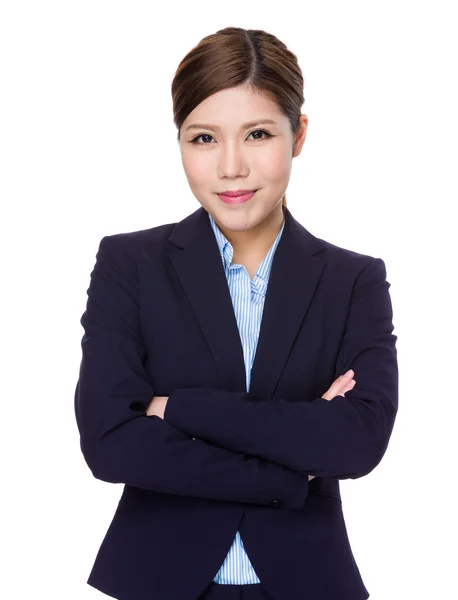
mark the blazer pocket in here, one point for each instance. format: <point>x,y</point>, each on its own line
<point>325,495</point>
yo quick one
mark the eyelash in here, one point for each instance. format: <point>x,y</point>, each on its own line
<point>269,135</point>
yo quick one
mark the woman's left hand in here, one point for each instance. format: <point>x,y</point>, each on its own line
<point>157,406</point>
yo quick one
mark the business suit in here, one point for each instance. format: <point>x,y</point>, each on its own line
<point>159,322</point>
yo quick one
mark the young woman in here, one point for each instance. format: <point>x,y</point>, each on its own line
<point>235,367</point>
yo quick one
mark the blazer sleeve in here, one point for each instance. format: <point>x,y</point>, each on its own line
<point>345,437</point>
<point>120,443</point>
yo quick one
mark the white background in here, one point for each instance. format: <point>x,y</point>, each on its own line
<point>88,149</point>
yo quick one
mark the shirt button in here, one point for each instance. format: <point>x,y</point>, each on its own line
<point>275,503</point>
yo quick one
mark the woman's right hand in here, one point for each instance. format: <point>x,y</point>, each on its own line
<point>342,384</point>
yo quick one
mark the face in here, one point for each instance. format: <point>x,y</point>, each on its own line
<point>223,155</point>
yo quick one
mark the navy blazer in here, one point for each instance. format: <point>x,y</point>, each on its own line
<point>159,321</point>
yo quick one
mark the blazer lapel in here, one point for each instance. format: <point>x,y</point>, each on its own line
<point>201,273</point>
<point>297,266</point>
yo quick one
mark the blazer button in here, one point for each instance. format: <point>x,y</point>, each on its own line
<point>275,503</point>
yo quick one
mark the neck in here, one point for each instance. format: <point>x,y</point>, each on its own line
<point>257,241</point>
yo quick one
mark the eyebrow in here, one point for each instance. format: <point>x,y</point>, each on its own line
<point>244,126</point>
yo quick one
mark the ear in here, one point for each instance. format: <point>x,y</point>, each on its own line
<point>300,136</point>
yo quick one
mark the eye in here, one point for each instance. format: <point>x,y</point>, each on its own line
<point>261,131</point>
<point>202,135</point>
<point>207,135</point>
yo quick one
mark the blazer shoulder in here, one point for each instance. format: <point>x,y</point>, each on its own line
<point>135,242</point>
<point>347,260</point>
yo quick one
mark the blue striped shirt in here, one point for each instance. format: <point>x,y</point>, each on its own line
<point>248,300</point>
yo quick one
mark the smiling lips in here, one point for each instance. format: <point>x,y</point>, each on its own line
<point>237,197</point>
<point>237,193</point>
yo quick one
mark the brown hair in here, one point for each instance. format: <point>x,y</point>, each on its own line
<point>234,56</point>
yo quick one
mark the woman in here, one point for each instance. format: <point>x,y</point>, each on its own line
<point>231,464</point>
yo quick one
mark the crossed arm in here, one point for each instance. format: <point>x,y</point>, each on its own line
<point>342,384</point>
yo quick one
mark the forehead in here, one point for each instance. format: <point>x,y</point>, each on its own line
<point>234,107</point>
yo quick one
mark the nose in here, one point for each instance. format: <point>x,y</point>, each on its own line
<point>232,161</point>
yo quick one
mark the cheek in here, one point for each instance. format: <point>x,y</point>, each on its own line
<point>197,169</point>
<point>273,165</point>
